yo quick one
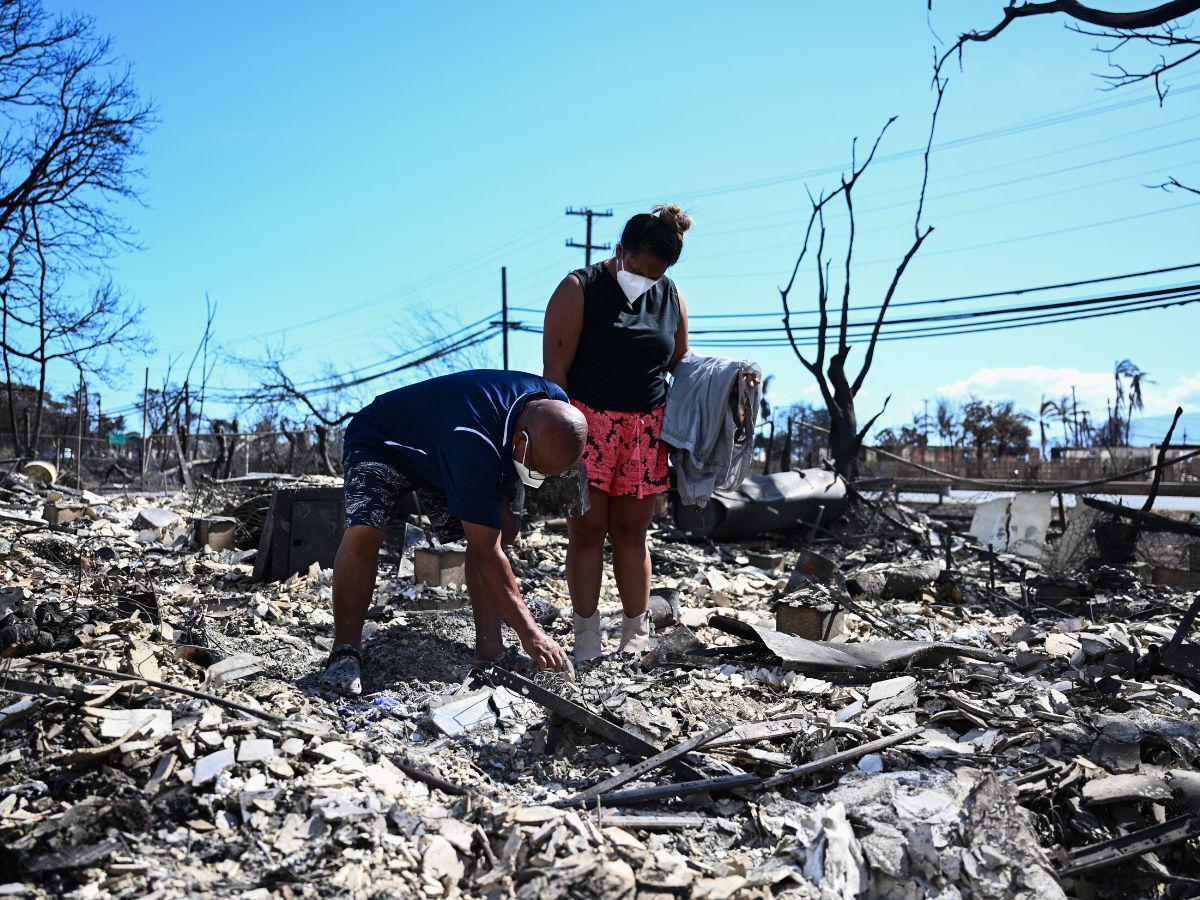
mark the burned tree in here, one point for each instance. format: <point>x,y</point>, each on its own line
<point>73,125</point>
<point>41,324</point>
<point>837,388</point>
<point>328,403</point>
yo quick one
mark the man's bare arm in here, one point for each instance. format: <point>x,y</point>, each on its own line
<point>499,594</point>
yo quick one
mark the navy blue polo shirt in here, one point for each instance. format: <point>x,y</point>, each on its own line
<point>452,433</point>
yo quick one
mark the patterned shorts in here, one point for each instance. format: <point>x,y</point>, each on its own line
<point>380,495</point>
<point>624,456</point>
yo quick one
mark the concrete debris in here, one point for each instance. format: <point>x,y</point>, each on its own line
<point>150,517</point>
<point>978,725</point>
<point>240,665</point>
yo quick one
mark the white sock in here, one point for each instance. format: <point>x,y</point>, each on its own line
<point>587,637</point>
<point>635,634</point>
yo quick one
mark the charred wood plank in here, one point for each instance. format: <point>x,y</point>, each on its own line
<point>584,718</point>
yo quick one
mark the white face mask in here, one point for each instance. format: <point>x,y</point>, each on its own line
<point>528,476</point>
<point>633,285</point>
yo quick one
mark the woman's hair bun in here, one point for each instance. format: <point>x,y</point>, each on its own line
<point>673,215</point>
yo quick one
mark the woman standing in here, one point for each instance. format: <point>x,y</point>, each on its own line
<point>613,331</point>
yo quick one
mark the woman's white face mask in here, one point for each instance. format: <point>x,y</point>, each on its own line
<point>633,285</point>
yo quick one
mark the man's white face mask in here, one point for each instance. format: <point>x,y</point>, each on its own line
<point>529,477</point>
<point>633,285</point>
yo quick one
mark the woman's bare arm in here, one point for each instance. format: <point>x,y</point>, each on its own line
<point>681,336</point>
<point>560,334</point>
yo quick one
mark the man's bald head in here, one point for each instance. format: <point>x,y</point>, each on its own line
<point>557,434</point>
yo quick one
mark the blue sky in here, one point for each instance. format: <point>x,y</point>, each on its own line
<point>339,179</point>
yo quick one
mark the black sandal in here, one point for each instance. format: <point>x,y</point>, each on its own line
<point>341,650</point>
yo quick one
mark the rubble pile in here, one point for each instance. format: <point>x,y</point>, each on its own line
<point>873,711</point>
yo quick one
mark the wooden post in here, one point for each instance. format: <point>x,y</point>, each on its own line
<point>145,406</point>
<point>787,449</point>
<point>185,470</point>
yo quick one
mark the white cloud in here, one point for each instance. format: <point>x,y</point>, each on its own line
<point>1187,392</point>
<point>1028,384</point>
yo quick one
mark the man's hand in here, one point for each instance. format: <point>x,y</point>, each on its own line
<point>544,650</point>
<point>495,595</point>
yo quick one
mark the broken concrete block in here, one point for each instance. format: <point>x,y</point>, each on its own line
<point>440,861</point>
<point>440,567</point>
<point>255,750</point>
<point>115,723</point>
<point>210,766</point>
<point>240,665</point>
<point>816,622</point>
<point>890,687</point>
<point>772,562</point>
<point>216,532</point>
<point>895,581</point>
<point>149,517</point>
<point>59,513</point>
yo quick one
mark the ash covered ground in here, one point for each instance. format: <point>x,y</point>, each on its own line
<point>1013,730</point>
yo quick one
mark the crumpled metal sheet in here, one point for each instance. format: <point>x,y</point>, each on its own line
<point>800,654</point>
<point>767,503</point>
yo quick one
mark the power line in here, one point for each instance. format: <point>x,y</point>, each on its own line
<point>1009,182</point>
<point>1071,114</point>
<point>464,343</point>
<point>949,331</point>
<point>956,176</point>
<point>1008,292</point>
<point>1033,318</point>
<point>980,313</point>
<point>980,246</point>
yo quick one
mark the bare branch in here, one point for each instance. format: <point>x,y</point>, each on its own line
<point>919,237</point>
<point>1173,183</point>
<point>1152,17</point>
<point>862,432</point>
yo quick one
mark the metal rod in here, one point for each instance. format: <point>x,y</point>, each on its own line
<point>161,685</point>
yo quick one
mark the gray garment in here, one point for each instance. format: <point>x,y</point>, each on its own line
<point>700,427</point>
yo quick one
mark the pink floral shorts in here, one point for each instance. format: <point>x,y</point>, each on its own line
<point>624,455</point>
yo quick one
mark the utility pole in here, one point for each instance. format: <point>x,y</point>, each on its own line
<point>587,246</point>
<point>79,432</point>
<point>504,311</point>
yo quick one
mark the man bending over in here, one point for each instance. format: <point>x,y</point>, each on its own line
<point>458,441</point>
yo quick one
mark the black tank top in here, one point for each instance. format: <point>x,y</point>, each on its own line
<point>624,348</point>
